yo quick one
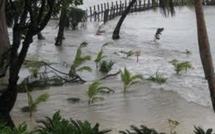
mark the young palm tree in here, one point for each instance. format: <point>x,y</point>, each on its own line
<point>128,79</point>
<point>99,57</point>
<point>94,90</point>
<point>79,60</point>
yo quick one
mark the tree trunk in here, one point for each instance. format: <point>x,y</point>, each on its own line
<point>4,40</point>
<point>40,36</point>
<point>204,49</point>
<point>60,35</point>
<point>119,24</point>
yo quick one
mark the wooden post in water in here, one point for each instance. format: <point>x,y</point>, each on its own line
<point>120,7</point>
<point>125,5</point>
<point>117,9</point>
<point>106,12</point>
<point>102,11</point>
<point>113,10</point>
<point>135,7</point>
<point>109,14</point>
<point>91,13</point>
<point>140,6</point>
<point>148,4</point>
<point>95,13</point>
<point>98,12</point>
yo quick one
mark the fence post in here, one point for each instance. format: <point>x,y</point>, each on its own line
<point>98,12</point>
<point>106,12</point>
<point>120,7</point>
<point>95,13</point>
<point>91,13</point>
<point>102,11</point>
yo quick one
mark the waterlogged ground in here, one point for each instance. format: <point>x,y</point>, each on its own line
<point>183,98</point>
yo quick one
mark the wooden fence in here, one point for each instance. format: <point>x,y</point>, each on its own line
<point>108,11</point>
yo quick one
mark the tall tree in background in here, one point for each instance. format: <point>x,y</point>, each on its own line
<point>4,40</point>
<point>26,25</point>
<point>121,20</point>
<point>167,7</point>
<point>63,7</point>
<point>204,49</point>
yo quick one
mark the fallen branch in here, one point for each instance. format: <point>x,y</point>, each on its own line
<point>110,75</point>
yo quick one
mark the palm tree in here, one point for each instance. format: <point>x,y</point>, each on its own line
<point>204,49</point>
<point>119,24</point>
<point>167,7</point>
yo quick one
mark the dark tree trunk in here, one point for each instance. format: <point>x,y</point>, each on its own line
<point>62,22</point>
<point>204,49</point>
<point>119,24</point>
<point>8,97</point>
<point>4,40</point>
<point>40,36</point>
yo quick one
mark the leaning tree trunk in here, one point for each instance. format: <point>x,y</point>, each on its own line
<point>62,22</point>
<point>4,41</point>
<point>204,49</point>
<point>40,36</point>
<point>119,24</point>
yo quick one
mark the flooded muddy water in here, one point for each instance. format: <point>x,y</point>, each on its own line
<point>184,98</point>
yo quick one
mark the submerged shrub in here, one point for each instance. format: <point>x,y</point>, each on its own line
<point>172,125</point>
<point>100,56</point>
<point>127,53</point>
<point>33,103</point>
<point>199,130</point>
<point>157,78</point>
<point>20,129</point>
<point>94,91</point>
<point>77,15</point>
<point>181,66</point>
<point>106,66</point>
<point>58,125</point>
<point>129,79</point>
<point>34,66</point>
<point>141,130</point>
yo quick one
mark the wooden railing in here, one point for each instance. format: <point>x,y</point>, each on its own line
<point>108,11</point>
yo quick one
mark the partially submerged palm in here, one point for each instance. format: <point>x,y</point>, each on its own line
<point>128,79</point>
<point>94,90</point>
<point>79,61</point>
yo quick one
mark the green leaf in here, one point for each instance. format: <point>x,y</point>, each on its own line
<point>84,68</point>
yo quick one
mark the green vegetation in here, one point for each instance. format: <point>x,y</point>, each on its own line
<point>127,53</point>
<point>94,91</point>
<point>157,78</point>
<point>21,129</point>
<point>79,60</point>
<point>34,66</point>
<point>58,125</point>
<point>106,66</point>
<point>199,130</point>
<point>172,125</point>
<point>100,56</point>
<point>33,104</point>
<point>128,79</point>
<point>77,15</point>
<point>181,66</point>
<point>142,130</point>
